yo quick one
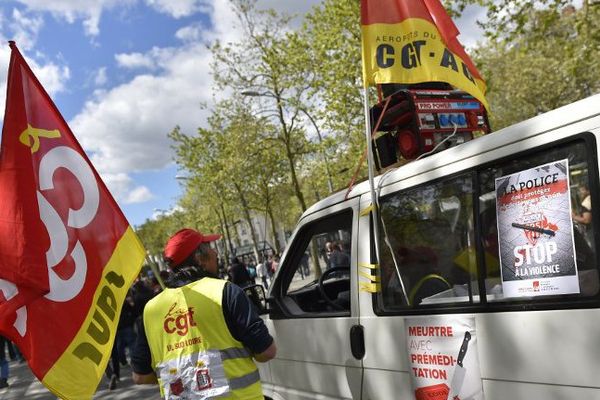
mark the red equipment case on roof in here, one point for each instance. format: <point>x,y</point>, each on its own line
<point>417,120</point>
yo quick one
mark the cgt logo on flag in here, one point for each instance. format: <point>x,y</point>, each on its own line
<point>414,41</point>
<point>67,253</point>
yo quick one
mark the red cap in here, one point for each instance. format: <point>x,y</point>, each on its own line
<point>183,243</point>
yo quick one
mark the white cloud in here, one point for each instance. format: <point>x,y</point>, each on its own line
<point>71,10</point>
<point>4,57</point>
<point>159,213</point>
<point>25,28</point>
<point>140,194</point>
<point>470,32</point>
<point>52,76</point>
<point>179,8</point>
<point>125,128</point>
<point>120,186</point>
<point>190,33</point>
<point>100,79</point>
<point>123,188</point>
<point>135,60</point>
<point>290,7</point>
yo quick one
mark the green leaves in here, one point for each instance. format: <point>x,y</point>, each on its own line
<point>550,64</point>
<point>274,150</point>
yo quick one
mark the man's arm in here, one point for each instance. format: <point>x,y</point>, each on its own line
<point>266,355</point>
<point>584,218</point>
<point>245,324</point>
<point>141,359</point>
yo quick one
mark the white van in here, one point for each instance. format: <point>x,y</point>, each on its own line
<point>343,336</point>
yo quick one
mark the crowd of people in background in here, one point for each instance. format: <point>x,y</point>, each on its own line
<point>13,353</point>
<point>247,272</point>
<point>143,290</point>
<point>242,273</point>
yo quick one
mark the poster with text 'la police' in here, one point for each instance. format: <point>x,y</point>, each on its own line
<point>535,232</point>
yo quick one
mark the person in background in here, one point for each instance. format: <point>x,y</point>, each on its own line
<point>328,251</point>
<point>201,335</point>
<point>305,265</point>
<point>113,369</point>
<point>239,275</point>
<point>584,217</point>
<point>141,294</point>
<point>4,370</point>
<point>263,273</point>
<point>125,332</point>
<point>275,264</point>
<point>338,258</point>
<point>269,265</point>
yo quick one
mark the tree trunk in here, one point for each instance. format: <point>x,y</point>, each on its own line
<point>276,247</point>
<point>248,217</point>
<point>227,232</point>
<point>288,152</point>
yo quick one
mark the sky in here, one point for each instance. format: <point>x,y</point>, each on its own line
<point>124,73</point>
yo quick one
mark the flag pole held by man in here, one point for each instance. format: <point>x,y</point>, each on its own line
<point>67,253</point>
<point>200,336</point>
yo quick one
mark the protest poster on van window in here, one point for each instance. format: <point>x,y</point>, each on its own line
<point>535,232</point>
<point>443,359</point>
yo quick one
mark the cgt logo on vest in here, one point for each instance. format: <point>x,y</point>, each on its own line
<point>179,321</point>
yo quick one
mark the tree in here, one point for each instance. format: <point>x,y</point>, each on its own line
<point>154,233</point>
<point>545,68</point>
<point>235,155</point>
<point>332,31</point>
<point>509,19</point>
<point>198,155</point>
<point>262,64</point>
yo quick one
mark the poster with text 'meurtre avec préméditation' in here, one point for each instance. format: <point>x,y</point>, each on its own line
<point>535,232</point>
<point>443,358</point>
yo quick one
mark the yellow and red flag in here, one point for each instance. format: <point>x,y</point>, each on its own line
<point>414,41</point>
<point>67,253</point>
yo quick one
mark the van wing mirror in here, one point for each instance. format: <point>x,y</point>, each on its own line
<point>256,294</point>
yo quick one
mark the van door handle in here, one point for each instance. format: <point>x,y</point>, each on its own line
<point>357,341</point>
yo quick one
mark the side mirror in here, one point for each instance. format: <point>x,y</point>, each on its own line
<point>256,294</point>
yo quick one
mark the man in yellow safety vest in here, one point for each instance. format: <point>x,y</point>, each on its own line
<point>200,335</point>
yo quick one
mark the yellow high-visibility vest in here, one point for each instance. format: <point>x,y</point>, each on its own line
<point>193,352</point>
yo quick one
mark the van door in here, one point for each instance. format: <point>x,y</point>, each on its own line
<point>313,309</point>
<point>441,256</point>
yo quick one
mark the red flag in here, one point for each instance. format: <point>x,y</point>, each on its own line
<point>67,253</point>
<point>413,41</point>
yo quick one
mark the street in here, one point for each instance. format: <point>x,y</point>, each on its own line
<point>23,385</point>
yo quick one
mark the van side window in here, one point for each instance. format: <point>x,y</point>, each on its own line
<point>443,246</point>
<point>316,274</point>
<point>581,204</point>
<point>431,231</point>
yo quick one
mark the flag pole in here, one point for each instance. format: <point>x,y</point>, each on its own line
<point>156,272</point>
<point>370,163</point>
<point>374,200</point>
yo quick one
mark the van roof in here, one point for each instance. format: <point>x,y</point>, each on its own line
<point>551,120</point>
